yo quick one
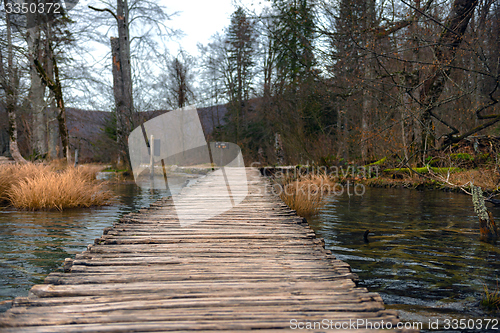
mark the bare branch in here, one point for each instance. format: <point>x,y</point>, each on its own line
<point>104,10</point>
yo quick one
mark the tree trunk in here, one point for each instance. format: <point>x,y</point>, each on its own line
<point>410,88</point>
<point>367,107</point>
<point>36,93</point>
<point>367,78</point>
<point>487,226</point>
<point>53,129</point>
<point>52,111</point>
<point>122,81</point>
<point>11,87</point>
<point>55,87</point>
<point>61,113</point>
<point>444,52</point>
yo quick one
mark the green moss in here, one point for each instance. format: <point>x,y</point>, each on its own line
<point>110,169</point>
<point>484,158</point>
<point>422,170</point>
<point>379,162</point>
<point>462,157</point>
<point>430,160</point>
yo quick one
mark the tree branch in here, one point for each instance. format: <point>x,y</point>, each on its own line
<point>381,32</point>
<point>104,10</point>
<point>43,76</point>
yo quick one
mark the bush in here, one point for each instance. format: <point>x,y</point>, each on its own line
<point>305,195</point>
<point>40,187</point>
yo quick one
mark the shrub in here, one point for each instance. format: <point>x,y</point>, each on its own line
<point>12,174</point>
<point>39,187</point>
<point>305,195</point>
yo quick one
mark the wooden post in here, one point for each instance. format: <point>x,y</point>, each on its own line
<point>151,157</point>
<point>487,225</point>
<point>278,147</point>
<point>76,157</point>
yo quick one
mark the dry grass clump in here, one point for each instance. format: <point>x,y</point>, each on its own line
<point>487,179</point>
<point>12,174</point>
<point>39,187</point>
<point>491,299</point>
<point>305,195</point>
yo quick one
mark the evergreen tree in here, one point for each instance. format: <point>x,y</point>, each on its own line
<point>240,52</point>
<point>294,37</point>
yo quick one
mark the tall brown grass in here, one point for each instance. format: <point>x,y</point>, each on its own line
<point>39,187</point>
<point>305,195</point>
<point>485,178</point>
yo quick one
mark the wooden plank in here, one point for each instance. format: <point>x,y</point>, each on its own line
<point>186,326</point>
<point>200,298</point>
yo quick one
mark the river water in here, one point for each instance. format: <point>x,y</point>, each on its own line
<point>33,244</point>
<point>424,257</point>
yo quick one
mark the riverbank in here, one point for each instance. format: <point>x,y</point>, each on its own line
<point>488,179</point>
<point>426,178</point>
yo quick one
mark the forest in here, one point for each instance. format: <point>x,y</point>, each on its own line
<point>322,80</point>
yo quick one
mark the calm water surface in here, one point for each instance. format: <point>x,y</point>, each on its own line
<point>425,258</point>
<point>33,244</point>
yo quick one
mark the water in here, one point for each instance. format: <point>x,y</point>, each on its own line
<point>33,244</point>
<point>425,258</point>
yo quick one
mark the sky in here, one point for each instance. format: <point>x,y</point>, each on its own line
<point>200,19</point>
<point>197,19</point>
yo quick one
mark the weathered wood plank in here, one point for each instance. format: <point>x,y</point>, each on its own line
<point>185,326</point>
<point>279,295</point>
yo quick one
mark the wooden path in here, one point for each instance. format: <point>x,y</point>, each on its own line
<point>257,266</point>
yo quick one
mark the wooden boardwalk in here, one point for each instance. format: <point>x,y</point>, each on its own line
<point>257,266</point>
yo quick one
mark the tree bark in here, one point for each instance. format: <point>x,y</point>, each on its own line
<point>52,111</point>
<point>367,78</point>
<point>122,101</point>
<point>367,107</point>
<point>122,81</point>
<point>55,87</point>
<point>410,87</point>
<point>36,92</point>
<point>487,226</point>
<point>10,83</point>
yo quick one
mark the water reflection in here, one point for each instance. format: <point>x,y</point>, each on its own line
<point>424,257</point>
<point>33,244</point>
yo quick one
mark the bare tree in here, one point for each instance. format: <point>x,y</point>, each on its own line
<point>124,14</point>
<point>180,80</point>
<point>56,87</point>
<point>9,80</point>
<point>445,51</point>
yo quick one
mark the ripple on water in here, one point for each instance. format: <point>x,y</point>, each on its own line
<point>33,244</point>
<point>424,257</point>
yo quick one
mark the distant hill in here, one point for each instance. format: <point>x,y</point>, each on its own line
<point>87,130</point>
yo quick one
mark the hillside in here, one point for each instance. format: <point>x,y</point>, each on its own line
<point>87,130</point>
